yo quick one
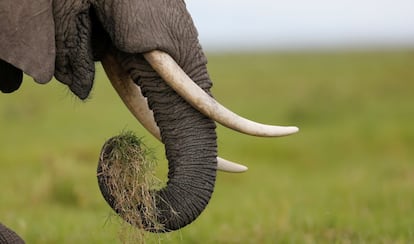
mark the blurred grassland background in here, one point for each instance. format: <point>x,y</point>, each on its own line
<point>347,177</point>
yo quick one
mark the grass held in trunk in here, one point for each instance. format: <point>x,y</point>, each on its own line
<point>126,176</point>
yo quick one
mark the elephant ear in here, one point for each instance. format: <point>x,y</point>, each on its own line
<point>27,40</point>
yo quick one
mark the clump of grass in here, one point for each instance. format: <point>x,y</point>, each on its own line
<point>126,175</point>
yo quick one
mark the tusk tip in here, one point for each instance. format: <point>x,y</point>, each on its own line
<point>230,167</point>
<point>294,129</point>
<point>241,169</point>
<point>282,131</point>
<point>235,169</point>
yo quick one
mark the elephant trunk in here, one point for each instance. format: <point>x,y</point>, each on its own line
<point>9,236</point>
<point>190,143</point>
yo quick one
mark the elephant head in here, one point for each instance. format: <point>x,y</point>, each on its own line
<point>151,53</point>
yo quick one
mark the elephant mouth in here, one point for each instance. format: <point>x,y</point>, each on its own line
<point>177,206</point>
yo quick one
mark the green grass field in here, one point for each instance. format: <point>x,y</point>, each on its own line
<point>347,177</point>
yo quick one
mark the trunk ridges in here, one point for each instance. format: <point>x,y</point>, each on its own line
<point>9,236</point>
<point>192,161</point>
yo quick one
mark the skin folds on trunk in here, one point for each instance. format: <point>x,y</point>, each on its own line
<point>190,143</point>
<point>9,236</point>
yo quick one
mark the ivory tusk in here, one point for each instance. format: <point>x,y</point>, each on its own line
<point>132,97</point>
<point>175,77</point>
<point>231,167</point>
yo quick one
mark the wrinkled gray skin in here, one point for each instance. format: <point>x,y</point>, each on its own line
<point>8,236</point>
<point>63,38</point>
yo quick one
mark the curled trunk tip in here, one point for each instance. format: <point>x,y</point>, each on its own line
<point>126,178</point>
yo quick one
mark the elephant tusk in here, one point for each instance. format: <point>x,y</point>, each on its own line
<point>230,167</point>
<point>137,104</point>
<point>175,77</point>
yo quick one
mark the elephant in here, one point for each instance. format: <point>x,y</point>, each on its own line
<point>151,54</point>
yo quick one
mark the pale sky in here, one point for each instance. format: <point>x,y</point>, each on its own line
<point>235,24</point>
